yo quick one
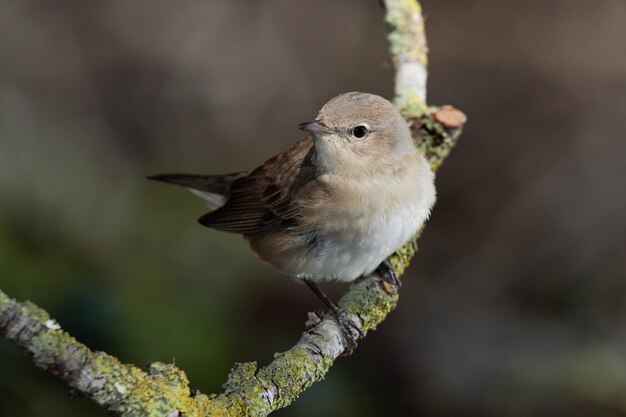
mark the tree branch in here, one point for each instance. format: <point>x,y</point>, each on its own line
<point>163,390</point>
<point>409,52</point>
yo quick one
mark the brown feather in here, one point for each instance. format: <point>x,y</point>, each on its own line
<point>217,184</point>
<point>268,197</point>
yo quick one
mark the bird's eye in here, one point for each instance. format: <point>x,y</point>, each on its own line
<point>359,132</point>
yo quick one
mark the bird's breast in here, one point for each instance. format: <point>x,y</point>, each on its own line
<point>352,227</point>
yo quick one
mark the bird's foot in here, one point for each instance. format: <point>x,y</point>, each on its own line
<point>388,274</point>
<point>340,315</point>
<point>347,328</point>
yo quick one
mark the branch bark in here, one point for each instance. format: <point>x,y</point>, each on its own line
<point>163,389</point>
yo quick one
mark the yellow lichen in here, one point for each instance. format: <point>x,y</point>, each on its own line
<point>5,301</point>
<point>410,104</point>
<point>372,305</point>
<point>407,40</point>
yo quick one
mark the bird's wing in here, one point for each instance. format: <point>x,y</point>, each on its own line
<point>215,189</point>
<point>268,198</point>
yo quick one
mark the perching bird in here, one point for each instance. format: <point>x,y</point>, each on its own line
<point>336,204</point>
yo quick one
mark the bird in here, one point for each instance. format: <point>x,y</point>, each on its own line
<point>332,207</point>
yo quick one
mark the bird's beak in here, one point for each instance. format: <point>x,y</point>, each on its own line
<point>315,127</point>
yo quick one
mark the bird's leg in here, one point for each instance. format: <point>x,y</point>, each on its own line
<point>387,273</point>
<point>340,315</point>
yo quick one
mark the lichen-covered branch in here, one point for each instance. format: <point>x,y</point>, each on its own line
<point>163,390</point>
<point>409,52</point>
<point>122,389</point>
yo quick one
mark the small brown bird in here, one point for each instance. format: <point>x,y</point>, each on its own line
<point>336,204</point>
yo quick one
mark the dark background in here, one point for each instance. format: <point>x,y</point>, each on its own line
<point>516,302</point>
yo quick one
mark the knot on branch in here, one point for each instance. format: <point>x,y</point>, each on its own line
<point>450,117</point>
<point>436,132</point>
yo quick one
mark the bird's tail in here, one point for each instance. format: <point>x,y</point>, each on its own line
<point>214,189</point>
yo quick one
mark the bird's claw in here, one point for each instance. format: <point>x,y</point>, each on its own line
<point>388,274</point>
<point>347,329</point>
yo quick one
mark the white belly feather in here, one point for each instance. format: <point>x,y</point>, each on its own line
<point>356,236</point>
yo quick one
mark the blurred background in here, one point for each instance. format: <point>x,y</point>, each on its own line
<point>516,302</point>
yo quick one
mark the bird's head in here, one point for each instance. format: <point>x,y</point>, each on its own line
<point>359,132</point>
